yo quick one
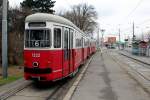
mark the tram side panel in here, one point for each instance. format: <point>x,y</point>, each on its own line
<point>57,64</point>
<point>89,48</point>
<point>85,50</point>
<point>77,50</point>
<point>84,54</point>
<point>94,47</point>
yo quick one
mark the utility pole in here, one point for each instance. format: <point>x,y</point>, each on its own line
<point>102,40</point>
<point>4,39</point>
<point>133,32</point>
<point>119,39</point>
<point>98,40</point>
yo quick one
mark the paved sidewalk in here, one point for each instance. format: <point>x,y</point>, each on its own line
<point>106,80</point>
<point>92,83</point>
<point>143,59</point>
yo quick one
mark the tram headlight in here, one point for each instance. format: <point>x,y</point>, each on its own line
<point>35,64</point>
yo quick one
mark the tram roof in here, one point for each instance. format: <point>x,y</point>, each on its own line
<point>42,17</point>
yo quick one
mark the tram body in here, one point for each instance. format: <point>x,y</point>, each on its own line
<point>54,47</point>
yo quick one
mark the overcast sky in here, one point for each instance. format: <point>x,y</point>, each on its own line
<point>113,14</point>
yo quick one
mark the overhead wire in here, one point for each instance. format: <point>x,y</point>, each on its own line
<point>132,11</point>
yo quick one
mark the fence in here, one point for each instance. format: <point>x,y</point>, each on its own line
<point>141,51</point>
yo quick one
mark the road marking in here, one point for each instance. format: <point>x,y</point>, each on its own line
<point>75,84</point>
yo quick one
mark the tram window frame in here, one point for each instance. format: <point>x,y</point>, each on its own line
<point>31,43</point>
<point>57,41</point>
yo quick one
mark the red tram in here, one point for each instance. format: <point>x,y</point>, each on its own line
<point>54,47</point>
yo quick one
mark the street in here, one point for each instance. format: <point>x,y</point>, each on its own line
<point>107,80</point>
<point>107,76</point>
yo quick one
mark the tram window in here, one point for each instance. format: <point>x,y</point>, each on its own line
<point>37,38</point>
<point>84,43</point>
<point>71,38</point>
<point>27,34</point>
<point>37,24</point>
<point>78,42</point>
<point>57,38</point>
<point>66,39</point>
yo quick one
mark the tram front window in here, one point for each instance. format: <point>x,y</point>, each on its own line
<point>37,38</point>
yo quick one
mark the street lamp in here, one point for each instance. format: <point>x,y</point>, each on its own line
<point>98,38</point>
<point>133,32</point>
<point>102,40</point>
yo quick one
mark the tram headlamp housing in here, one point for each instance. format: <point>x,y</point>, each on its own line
<point>35,64</point>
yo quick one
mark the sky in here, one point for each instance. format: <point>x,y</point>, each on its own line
<point>113,14</point>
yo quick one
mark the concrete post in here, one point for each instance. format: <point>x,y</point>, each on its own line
<point>4,39</point>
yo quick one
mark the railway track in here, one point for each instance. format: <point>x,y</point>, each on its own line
<point>140,67</point>
<point>37,91</point>
<point>136,69</point>
<point>129,61</point>
<point>9,90</point>
<point>27,90</point>
<point>136,60</point>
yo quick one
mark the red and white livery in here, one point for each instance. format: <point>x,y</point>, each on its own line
<point>54,47</point>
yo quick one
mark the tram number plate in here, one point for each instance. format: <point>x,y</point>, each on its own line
<point>35,77</point>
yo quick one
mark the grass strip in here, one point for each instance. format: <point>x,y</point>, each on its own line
<point>9,79</point>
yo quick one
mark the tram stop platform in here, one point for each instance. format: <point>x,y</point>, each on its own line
<point>91,84</point>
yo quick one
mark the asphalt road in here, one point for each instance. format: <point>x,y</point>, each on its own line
<point>105,79</point>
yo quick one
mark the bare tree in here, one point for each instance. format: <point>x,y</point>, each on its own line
<point>82,15</point>
<point>1,2</point>
<point>1,15</point>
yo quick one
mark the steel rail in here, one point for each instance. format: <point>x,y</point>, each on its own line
<point>137,61</point>
<point>18,87</point>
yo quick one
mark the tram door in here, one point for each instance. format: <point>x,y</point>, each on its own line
<point>68,52</point>
<point>71,51</point>
<point>83,49</point>
<point>66,62</point>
